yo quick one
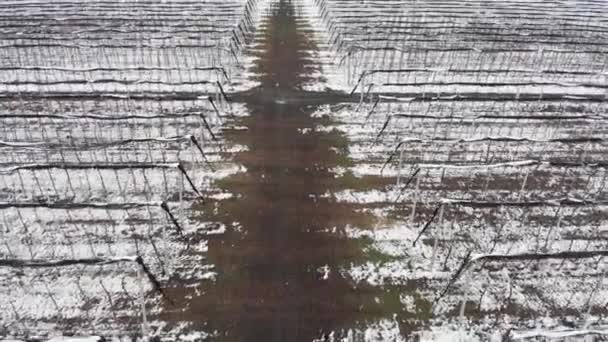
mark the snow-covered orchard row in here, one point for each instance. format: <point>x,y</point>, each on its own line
<point>112,122</point>
<point>84,46</point>
<point>488,121</point>
<point>477,178</point>
<point>471,47</point>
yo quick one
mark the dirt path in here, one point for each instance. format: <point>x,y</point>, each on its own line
<point>277,271</point>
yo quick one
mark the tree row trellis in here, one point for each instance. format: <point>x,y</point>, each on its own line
<point>435,47</point>
<point>99,197</point>
<point>521,190</point>
<point>490,118</point>
<point>110,128</point>
<point>183,47</point>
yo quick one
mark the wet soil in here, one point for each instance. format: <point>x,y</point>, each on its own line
<point>278,268</point>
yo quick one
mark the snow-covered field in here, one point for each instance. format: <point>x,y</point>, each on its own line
<point>124,47</point>
<point>528,179</point>
<point>104,186</point>
<point>112,122</point>
<point>469,47</point>
<point>488,121</point>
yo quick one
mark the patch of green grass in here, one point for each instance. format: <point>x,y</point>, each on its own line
<point>423,307</point>
<point>349,181</point>
<point>343,160</point>
<point>339,140</point>
<point>371,254</point>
